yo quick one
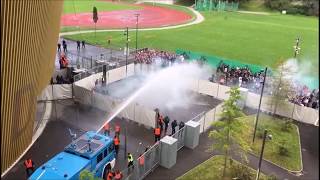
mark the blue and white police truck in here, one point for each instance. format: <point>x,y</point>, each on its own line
<point>92,151</point>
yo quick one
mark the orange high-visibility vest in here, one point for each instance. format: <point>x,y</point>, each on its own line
<point>28,163</point>
<point>110,175</point>
<point>117,128</point>
<point>141,160</point>
<point>116,141</point>
<point>106,127</point>
<point>157,131</point>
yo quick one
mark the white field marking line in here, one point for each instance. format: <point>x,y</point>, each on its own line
<point>254,12</point>
<point>199,19</point>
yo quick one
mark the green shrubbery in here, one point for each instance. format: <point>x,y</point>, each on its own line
<point>283,149</point>
<point>305,7</point>
<point>287,125</point>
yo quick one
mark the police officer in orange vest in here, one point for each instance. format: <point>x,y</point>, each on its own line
<point>117,130</point>
<point>116,142</point>
<point>118,175</point>
<point>110,175</point>
<point>106,129</point>
<point>157,133</point>
<point>29,166</point>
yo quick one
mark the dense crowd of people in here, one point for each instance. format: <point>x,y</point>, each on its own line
<point>148,56</point>
<point>242,76</point>
<point>306,97</point>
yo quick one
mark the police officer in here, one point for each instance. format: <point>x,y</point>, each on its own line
<point>106,129</point>
<point>157,134</point>
<point>166,123</point>
<point>181,125</point>
<point>117,129</point>
<point>116,142</point>
<point>29,166</point>
<point>174,124</point>
<point>130,161</point>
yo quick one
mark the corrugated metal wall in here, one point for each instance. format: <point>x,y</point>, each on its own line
<point>29,34</point>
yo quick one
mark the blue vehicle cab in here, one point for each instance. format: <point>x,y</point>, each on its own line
<point>92,151</point>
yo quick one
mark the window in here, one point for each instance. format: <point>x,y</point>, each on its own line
<point>105,153</point>
<point>99,158</point>
<point>111,148</point>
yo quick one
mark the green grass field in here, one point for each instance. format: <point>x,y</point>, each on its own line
<point>80,6</point>
<point>249,38</point>
<point>291,162</point>
<point>212,170</point>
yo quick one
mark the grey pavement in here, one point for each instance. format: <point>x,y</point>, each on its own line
<point>188,159</point>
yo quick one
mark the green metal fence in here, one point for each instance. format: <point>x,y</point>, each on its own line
<point>214,5</point>
<point>214,61</point>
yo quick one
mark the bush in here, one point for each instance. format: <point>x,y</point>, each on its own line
<point>287,125</point>
<point>283,149</point>
<point>260,132</point>
<point>240,172</point>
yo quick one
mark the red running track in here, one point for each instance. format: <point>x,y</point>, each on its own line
<point>150,16</point>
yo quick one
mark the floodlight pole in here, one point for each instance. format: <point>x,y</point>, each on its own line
<point>261,94</point>
<point>127,44</point>
<point>296,48</point>
<point>137,15</point>
<point>261,153</point>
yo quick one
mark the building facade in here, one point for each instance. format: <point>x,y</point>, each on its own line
<point>29,34</point>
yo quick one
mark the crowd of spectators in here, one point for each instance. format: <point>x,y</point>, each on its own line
<point>242,76</point>
<point>306,97</point>
<point>148,56</point>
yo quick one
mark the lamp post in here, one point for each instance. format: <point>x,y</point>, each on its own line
<point>261,94</point>
<point>265,136</point>
<point>137,16</point>
<point>296,47</point>
<point>126,33</point>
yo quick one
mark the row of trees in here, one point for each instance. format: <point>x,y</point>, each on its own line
<point>305,7</point>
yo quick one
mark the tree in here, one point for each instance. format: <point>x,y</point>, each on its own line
<point>281,87</point>
<point>95,18</point>
<point>228,130</point>
<point>87,175</point>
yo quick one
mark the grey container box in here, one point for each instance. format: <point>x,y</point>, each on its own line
<point>169,147</point>
<point>191,139</point>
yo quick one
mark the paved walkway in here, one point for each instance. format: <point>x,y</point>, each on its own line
<point>188,159</point>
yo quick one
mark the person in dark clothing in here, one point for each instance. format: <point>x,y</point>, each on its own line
<point>83,44</point>
<point>64,48</point>
<point>58,79</point>
<point>166,124</point>
<point>63,42</point>
<point>174,124</point>
<point>78,45</point>
<point>59,47</point>
<point>181,125</point>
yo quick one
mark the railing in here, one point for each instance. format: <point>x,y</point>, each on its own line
<point>179,135</point>
<point>146,163</point>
